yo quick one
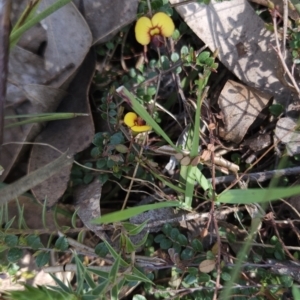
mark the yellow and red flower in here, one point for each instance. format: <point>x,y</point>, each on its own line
<point>136,123</point>
<point>160,26</point>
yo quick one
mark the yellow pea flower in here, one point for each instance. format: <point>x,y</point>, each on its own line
<point>146,30</point>
<point>136,123</point>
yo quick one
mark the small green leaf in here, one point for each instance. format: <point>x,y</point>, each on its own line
<point>151,91</point>
<point>96,152</point>
<point>174,233</point>
<point>158,238</point>
<point>192,270</point>
<point>175,36</point>
<point>138,228</point>
<point>225,276</point>
<point>210,255</point>
<point>103,178</point>
<point>209,61</point>
<point>11,240</point>
<point>203,56</point>
<point>197,245</point>
<point>139,297</point>
<point>176,247</point>
<point>112,113</point>
<point>190,279</point>
<point>203,277</point>
<point>110,45</point>
<point>175,57</point>
<point>129,246</point>
<point>34,241</point>
<point>187,254</point>
<point>287,281</point>
<point>62,243</point>
<point>231,237</point>
<point>122,148</point>
<point>101,250</point>
<point>165,244</point>
<point>184,50</point>
<point>14,254</point>
<point>88,178</point>
<point>276,109</point>
<point>182,240</point>
<point>42,258</point>
<point>116,139</point>
<point>167,228</point>
<point>99,139</point>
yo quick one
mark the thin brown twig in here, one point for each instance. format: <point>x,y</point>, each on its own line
<point>215,223</point>
<point>280,56</point>
<point>280,240</point>
<point>259,176</point>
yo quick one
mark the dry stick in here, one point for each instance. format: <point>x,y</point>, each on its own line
<point>123,63</point>
<point>256,162</point>
<point>5,8</point>
<point>149,7</point>
<point>281,241</point>
<point>285,24</point>
<point>281,58</point>
<point>260,176</point>
<point>213,174</point>
<point>34,178</point>
<point>133,176</point>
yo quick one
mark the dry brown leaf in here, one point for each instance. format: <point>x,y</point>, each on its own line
<point>107,17</point>
<point>287,132</point>
<point>240,106</point>
<point>207,266</point>
<point>87,199</point>
<point>30,75</point>
<point>185,161</point>
<point>65,48</point>
<point>72,134</point>
<point>239,33</point>
<point>34,178</point>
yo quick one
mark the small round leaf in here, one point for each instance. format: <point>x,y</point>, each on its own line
<point>42,258</point>
<point>101,250</point>
<point>62,243</point>
<point>197,245</point>
<point>14,254</point>
<point>11,240</point>
<point>165,244</point>
<point>207,266</point>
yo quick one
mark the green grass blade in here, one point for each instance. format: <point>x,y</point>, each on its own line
<point>113,274</point>
<point>191,170</point>
<point>27,14</point>
<point>166,182</point>
<point>131,212</point>
<point>15,36</point>
<point>256,195</point>
<point>115,255</point>
<point>44,118</point>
